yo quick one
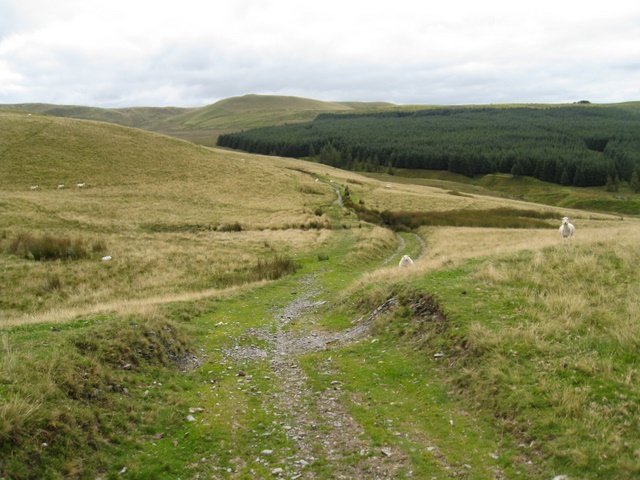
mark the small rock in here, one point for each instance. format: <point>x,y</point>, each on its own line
<point>561,477</point>
<point>123,471</point>
<point>387,451</point>
<point>266,452</point>
<point>191,418</point>
<point>277,471</point>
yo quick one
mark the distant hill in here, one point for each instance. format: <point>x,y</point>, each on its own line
<point>202,125</point>
<point>137,117</point>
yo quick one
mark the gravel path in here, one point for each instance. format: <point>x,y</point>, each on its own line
<point>317,422</point>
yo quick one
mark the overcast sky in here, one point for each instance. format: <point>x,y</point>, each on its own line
<point>186,53</point>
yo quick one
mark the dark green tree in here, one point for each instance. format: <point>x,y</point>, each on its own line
<point>634,183</point>
<point>517,170</point>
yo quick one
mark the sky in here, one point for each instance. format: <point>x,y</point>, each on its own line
<point>191,53</point>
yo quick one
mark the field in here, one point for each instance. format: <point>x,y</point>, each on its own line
<point>194,312</point>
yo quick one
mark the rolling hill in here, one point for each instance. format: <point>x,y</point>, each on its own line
<point>202,125</point>
<point>218,314</point>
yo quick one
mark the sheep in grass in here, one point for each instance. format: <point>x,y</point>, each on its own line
<point>567,229</point>
<point>405,261</point>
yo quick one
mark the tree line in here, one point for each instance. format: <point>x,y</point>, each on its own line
<point>580,145</point>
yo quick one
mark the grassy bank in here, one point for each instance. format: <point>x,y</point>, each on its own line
<point>543,341</point>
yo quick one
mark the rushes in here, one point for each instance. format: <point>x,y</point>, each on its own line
<point>272,269</point>
<point>48,247</point>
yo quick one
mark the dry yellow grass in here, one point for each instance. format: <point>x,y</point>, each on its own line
<point>449,247</point>
<point>160,205</point>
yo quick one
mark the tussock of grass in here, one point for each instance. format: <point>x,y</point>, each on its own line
<point>48,247</point>
<point>272,269</point>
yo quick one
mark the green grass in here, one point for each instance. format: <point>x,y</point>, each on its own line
<point>76,395</point>
<point>539,347</point>
<point>545,344</point>
<point>595,199</point>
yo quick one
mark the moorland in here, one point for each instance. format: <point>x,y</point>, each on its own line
<point>200,312</point>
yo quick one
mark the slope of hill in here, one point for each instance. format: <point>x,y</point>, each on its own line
<point>138,117</point>
<point>202,125</point>
<point>216,314</point>
<point>580,145</point>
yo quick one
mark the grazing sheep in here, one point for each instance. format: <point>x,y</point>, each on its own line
<point>405,262</point>
<point>34,187</point>
<point>566,229</point>
<point>60,187</point>
<point>80,185</point>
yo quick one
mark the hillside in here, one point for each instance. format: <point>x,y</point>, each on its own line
<point>138,117</point>
<point>579,145</point>
<point>197,312</point>
<point>202,125</point>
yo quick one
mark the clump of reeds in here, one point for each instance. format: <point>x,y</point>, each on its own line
<point>48,247</point>
<point>272,269</point>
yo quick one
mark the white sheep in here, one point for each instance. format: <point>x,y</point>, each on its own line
<point>34,187</point>
<point>80,185</point>
<point>60,187</point>
<point>405,261</point>
<point>566,229</point>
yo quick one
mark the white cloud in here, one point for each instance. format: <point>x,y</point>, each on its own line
<point>194,52</point>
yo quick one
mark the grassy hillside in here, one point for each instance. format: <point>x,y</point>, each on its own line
<point>249,325</point>
<point>142,192</point>
<point>202,125</point>
<point>597,199</point>
<point>138,117</point>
